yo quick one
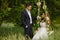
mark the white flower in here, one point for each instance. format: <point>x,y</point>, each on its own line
<point>38,17</point>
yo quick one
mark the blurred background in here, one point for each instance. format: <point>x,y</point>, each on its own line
<point>10,18</point>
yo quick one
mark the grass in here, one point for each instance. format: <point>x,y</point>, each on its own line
<point>56,27</point>
<point>55,35</point>
<point>13,33</point>
<point>17,33</point>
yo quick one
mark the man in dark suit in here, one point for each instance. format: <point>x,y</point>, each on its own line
<point>27,21</point>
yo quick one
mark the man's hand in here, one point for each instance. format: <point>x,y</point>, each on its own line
<point>26,26</point>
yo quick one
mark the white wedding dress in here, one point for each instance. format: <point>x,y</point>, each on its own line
<point>42,33</point>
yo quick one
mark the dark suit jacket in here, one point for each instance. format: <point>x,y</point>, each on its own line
<point>26,22</point>
<point>25,19</point>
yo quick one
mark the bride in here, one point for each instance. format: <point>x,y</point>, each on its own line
<point>42,33</point>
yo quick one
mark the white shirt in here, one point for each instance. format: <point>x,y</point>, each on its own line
<point>29,16</point>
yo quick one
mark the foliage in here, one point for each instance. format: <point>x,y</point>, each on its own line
<point>11,9</point>
<point>54,7</point>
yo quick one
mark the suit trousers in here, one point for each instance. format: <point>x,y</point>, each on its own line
<point>29,31</point>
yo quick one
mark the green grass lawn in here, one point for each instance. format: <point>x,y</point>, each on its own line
<point>17,33</point>
<point>56,27</point>
<point>55,35</point>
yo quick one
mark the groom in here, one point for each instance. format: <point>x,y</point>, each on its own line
<point>27,21</point>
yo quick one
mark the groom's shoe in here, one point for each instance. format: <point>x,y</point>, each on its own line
<point>26,37</point>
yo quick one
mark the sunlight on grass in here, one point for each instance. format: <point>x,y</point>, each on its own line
<point>17,33</point>
<point>13,37</point>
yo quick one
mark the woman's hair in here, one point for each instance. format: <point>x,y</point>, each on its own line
<point>43,19</point>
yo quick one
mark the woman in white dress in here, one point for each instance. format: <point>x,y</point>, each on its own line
<point>42,33</point>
